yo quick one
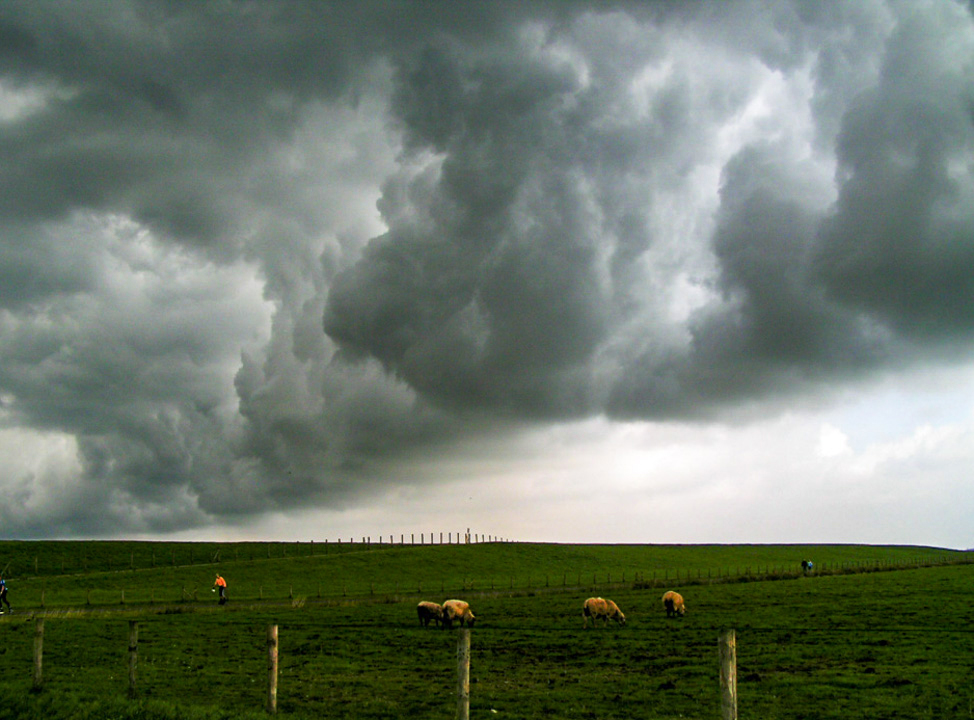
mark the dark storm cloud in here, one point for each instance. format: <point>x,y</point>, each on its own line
<point>507,265</point>
<point>508,285</point>
<point>204,313</point>
<point>900,244</point>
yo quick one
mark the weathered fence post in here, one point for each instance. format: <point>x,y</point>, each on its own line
<point>728,675</point>
<point>38,653</point>
<point>463,674</point>
<point>272,669</point>
<point>133,655</point>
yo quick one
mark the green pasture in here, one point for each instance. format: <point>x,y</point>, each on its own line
<point>847,642</point>
<point>165,573</point>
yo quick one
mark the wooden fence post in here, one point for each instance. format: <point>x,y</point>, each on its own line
<point>463,674</point>
<point>272,669</point>
<point>728,675</point>
<point>38,653</point>
<point>133,655</point>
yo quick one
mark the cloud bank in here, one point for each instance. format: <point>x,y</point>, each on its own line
<point>256,258</point>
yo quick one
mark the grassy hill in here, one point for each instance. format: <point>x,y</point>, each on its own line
<point>843,642</point>
<point>98,573</point>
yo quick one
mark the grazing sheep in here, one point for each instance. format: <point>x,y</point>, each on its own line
<point>673,604</point>
<point>457,610</point>
<point>429,611</point>
<point>596,607</point>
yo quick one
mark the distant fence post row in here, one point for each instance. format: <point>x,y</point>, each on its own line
<point>190,555</point>
<point>391,588</point>
<point>727,645</point>
<point>448,538</point>
<point>760,570</point>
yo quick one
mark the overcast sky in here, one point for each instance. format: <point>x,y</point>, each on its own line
<point>556,271</point>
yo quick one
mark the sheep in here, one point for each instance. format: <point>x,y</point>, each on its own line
<point>457,610</point>
<point>596,607</point>
<point>429,611</point>
<point>673,604</point>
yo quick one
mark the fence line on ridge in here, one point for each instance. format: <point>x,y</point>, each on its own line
<point>39,598</point>
<point>193,554</point>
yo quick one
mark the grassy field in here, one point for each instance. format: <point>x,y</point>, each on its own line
<point>843,643</point>
<point>168,572</point>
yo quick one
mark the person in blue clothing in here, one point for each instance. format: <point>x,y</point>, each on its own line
<point>3,596</point>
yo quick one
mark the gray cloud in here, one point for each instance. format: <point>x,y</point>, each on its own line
<point>254,255</point>
<point>900,244</point>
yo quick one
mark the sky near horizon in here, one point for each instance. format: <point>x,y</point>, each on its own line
<point>566,271</point>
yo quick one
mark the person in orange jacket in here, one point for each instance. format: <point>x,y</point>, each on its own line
<point>221,585</point>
